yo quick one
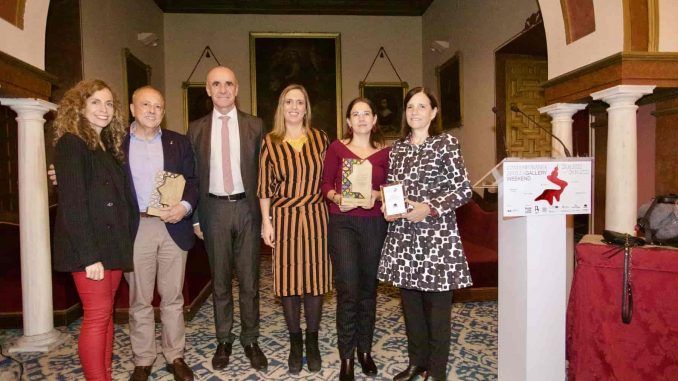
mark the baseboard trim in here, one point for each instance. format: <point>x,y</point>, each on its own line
<point>475,294</point>
<point>14,320</point>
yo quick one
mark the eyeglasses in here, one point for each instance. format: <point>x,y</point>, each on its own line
<point>358,114</point>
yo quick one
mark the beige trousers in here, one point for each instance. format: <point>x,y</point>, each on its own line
<point>156,256</point>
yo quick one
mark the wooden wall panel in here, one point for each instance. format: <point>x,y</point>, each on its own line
<point>524,78</point>
<point>12,11</point>
<point>579,18</point>
<point>666,170</point>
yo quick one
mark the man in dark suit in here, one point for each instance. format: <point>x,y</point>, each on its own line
<point>227,144</point>
<point>161,243</point>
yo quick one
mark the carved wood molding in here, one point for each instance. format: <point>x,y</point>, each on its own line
<point>625,68</point>
<point>19,79</point>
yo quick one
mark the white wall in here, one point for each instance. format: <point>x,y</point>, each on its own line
<point>475,28</point>
<point>110,26</point>
<point>28,44</point>
<point>668,25</point>
<point>228,36</point>
<point>606,40</point>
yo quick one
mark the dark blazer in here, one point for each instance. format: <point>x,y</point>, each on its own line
<point>178,158</point>
<point>251,131</point>
<point>94,217</point>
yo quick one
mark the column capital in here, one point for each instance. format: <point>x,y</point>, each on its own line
<point>562,110</point>
<point>28,105</point>
<point>623,94</point>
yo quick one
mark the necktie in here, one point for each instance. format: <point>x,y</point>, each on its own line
<point>226,155</point>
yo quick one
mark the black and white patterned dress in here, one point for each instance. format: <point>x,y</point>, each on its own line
<point>428,255</point>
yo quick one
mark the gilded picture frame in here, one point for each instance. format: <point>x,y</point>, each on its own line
<point>449,79</point>
<point>388,99</point>
<point>312,60</point>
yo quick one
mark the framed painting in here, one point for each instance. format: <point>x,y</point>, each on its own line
<point>450,89</point>
<point>136,74</point>
<point>388,99</point>
<point>312,60</point>
<point>196,101</point>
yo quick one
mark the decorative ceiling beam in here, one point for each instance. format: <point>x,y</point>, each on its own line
<point>299,7</point>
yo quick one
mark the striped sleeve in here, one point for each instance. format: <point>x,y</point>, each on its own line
<point>267,185</point>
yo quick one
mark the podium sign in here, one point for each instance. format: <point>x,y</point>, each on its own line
<point>547,187</point>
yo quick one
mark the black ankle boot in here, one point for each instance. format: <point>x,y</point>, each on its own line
<point>346,372</point>
<point>295,361</point>
<point>313,352</point>
<point>366,362</point>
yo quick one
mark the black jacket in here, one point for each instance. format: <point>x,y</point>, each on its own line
<point>94,218</point>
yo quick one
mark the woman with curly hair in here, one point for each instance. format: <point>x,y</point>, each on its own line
<point>93,239</point>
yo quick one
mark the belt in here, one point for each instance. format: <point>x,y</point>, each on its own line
<point>231,197</point>
<point>146,215</point>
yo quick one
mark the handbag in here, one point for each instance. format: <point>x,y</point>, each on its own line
<point>659,220</point>
<point>627,242</point>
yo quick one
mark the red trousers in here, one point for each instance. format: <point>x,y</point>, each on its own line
<point>95,345</point>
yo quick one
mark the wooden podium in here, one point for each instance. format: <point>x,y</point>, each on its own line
<point>534,200</point>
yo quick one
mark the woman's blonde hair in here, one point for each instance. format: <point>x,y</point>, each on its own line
<point>278,132</point>
<point>70,119</point>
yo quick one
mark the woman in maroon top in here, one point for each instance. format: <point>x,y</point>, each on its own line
<point>356,236</point>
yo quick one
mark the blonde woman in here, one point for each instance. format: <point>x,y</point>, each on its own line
<point>294,220</point>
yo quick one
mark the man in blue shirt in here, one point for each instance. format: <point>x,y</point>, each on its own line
<point>161,243</point>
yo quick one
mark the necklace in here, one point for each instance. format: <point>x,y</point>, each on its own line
<point>297,143</point>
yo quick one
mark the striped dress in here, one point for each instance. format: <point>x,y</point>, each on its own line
<point>292,180</point>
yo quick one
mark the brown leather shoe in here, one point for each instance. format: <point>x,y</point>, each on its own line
<point>257,358</point>
<point>180,370</point>
<point>141,373</point>
<point>221,356</point>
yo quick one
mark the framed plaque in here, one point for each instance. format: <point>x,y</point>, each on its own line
<point>167,192</point>
<point>356,182</point>
<point>393,198</point>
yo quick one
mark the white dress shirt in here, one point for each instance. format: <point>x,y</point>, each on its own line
<point>216,174</point>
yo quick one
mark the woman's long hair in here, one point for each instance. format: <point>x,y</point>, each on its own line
<point>278,132</point>
<point>376,137</point>
<point>434,129</point>
<point>70,119</point>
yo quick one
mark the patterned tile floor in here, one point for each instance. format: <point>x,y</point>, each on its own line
<point>473,354</point>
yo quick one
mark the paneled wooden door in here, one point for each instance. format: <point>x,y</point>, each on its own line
<point>9,177</point>
<point>524,76</point>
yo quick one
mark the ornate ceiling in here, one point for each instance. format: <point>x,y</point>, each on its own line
<point>299,7</point>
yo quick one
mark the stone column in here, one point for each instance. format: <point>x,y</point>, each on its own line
<point>36,268</point>
<point>561,126</point>
<point>622,155</point>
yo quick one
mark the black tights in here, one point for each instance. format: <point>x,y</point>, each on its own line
<point>313,309</point>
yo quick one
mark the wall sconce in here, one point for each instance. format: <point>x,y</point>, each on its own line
<point>148,39</point>
<point>439,46</point>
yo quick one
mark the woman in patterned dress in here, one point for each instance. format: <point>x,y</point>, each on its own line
<point>356,236</point>
<point>294,220</point>
<point>422,253</point>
